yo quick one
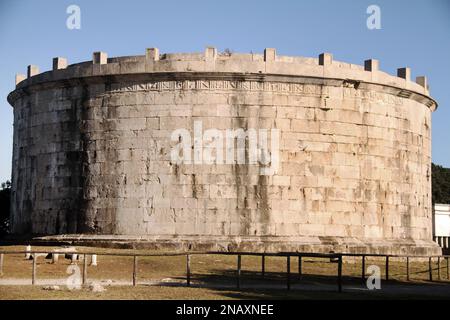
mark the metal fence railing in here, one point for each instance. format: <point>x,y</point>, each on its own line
<point>334,257</point>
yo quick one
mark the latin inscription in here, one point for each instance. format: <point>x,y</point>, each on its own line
<point>220,85</point>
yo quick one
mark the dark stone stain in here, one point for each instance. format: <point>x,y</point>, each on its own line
<point>194,187</point>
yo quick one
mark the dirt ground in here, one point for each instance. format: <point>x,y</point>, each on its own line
<point>214,277</point>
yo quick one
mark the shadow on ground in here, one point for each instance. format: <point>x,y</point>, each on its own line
<point>273,285</point>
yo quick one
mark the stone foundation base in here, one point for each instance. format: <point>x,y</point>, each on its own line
<point>250,244</point>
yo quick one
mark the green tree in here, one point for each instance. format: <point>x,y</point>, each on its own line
<point>440,180</point>
<point>5,198</point>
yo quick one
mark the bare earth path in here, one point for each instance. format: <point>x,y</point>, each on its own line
<point>315,289</point>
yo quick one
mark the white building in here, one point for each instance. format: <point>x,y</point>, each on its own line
<point>442,224</point>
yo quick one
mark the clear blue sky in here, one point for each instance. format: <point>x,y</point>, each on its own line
<point>414,34</point>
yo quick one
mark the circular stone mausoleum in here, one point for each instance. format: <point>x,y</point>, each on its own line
<point>224,152</point>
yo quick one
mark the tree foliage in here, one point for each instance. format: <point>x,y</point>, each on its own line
<point>5,196</point>
<point>440,179</point>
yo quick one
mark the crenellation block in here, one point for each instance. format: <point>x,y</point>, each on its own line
<point>99,57</point>
<point>270,54</point>
<point>19,78</point>
<point>32,70</point>
<point>152,54</point>
<point>422,81</point>
<point>404,73</point>
<point>210,54</point>
<point>325,59</point>
<point>59,63</point>
<point>371,65</point>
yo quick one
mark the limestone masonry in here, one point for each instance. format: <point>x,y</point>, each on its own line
<point>348,148</point>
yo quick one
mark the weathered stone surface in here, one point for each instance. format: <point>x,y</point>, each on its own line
<point>92,154</point>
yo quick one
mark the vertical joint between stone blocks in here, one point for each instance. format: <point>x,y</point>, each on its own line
<point>99,57</point>
<point>59,63</point>
<point>152,54</point>
<point>371,65</point>
<point>270,54</point>
<point>32,70</point>
<point>404,73</point>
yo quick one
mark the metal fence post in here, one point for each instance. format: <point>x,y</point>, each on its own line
<point>439,268</point>
<point>33,271</point>
<point>448,278</point>
<point>340,273</point>
<point>430,269</point>
<point>135,270</point>
<point>363,268</point>
<point>387,268</point>
<point>288,269</point>
<point>239,271</point>
<point>84,269</point>
<point>407,268</point>
<point>300,267</point>
<point>188,270</point>
<point>263,265</point>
